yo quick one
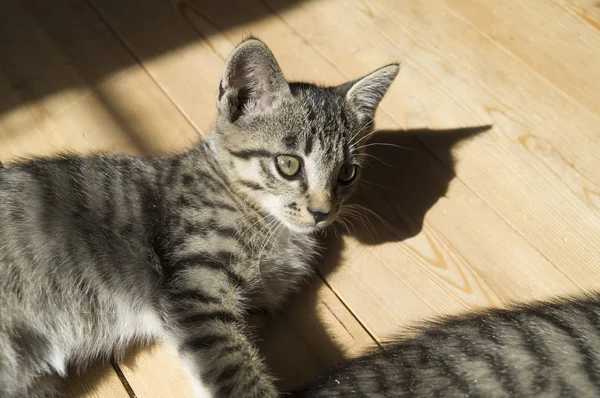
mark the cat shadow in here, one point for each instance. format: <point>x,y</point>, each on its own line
<point>408,172</point>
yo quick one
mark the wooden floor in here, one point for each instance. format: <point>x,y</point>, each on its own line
<point>472,217</point>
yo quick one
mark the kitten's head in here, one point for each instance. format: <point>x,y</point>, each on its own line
<point>294,149</point>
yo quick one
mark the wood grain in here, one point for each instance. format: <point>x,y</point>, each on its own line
<point>545,37</point>
<point>98,381</point>
<point>587,10</point>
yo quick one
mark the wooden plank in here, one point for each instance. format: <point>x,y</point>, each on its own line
<point>453,70</point>
<point>93,100</point>
<point>155,371</point>
<point>544,36</point>
<point>587,10</point>
<point>98,381</point>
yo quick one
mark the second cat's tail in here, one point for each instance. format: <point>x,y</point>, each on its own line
<point>547,348</point>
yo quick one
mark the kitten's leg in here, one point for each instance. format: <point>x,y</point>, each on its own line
<point>211,337</point>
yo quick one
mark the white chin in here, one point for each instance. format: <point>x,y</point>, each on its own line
<point>303,229</point>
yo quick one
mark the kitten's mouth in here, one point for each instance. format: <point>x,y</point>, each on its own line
<point>305,224</point>
<point>309,227</point>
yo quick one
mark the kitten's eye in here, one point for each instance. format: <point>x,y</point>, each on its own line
<point>347,173</point>
<point>288,166</point>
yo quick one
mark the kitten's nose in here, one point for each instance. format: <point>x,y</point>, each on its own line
<point>318,215</point>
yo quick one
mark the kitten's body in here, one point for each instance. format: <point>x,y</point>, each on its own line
<point>70,294</point>
<point>541,350</point>
<point>97,252</point>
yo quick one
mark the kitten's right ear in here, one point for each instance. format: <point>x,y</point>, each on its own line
<point>252,82</point>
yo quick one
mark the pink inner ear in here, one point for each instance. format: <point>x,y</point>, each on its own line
<point>260,88</point>
<point>254,82</point>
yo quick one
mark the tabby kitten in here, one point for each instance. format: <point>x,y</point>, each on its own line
<point>545,349</point>
<point>101,251</point>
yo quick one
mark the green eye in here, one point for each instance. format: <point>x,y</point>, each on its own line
<point>288,166</point>
<point>347,173</point>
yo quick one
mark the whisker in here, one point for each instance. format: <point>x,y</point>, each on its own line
<point>376,185</point>
<point>251,242</point>
<point>366,126</point>
<point>364,221</point>
<point>272,225</point>
<point>366,136</point>
<point>379,160</point>
<point>250,227</point>
<point>278,232</point>
<point>268,238</point>
<point>343,222</point>
<point>255,244</point>
<point>386,144</point>
<point>356,206</point>
<point>335,231</point>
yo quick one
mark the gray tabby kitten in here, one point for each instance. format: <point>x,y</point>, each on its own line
<point>545,349</point>
<point>101,251</point>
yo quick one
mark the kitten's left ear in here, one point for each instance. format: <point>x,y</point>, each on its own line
<point>252,81</point>
<point>365,94</point>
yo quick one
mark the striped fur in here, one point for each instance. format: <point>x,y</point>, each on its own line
<point>540,350</point>
<point>98,252</point>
